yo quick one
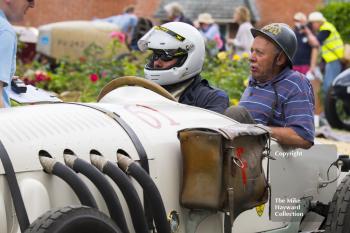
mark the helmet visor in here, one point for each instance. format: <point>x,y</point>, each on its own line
<point>167,55</point>
<point>164,39</point>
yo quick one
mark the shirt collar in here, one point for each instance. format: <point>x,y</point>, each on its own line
<point>280,76</point>
<point>2,14</point>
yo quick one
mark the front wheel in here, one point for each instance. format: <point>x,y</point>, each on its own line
<point>338,219</point>
<point>73,219</point>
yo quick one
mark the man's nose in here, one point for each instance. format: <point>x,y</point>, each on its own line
<point>158,62</point>
<point>252,57</point>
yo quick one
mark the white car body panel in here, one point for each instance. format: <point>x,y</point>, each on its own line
<point>156,120</point>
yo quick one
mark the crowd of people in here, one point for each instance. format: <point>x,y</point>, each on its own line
<point>283,61</point>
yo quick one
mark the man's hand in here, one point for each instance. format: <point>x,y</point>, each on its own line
<point>287,136</point>
<point>312,39</point>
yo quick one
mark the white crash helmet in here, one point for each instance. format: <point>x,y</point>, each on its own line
<point>174,37</point>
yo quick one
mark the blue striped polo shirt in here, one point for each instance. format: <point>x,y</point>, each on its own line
<point>285,101</point>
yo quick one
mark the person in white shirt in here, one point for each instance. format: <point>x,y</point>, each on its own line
<point>244,39</point>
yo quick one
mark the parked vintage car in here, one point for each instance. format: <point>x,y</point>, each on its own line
<point>69,39</point>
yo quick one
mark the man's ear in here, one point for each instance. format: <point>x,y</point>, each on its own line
<point>281,59</point>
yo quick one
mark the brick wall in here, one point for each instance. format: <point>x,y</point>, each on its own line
<point>283,10</point>
<point>48,11</point>
<point>147,8</point>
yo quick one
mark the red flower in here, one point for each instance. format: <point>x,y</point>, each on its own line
<point>82,59</point>
<point>118,35</point>
<point>41,76</point>
<point>94,78</point>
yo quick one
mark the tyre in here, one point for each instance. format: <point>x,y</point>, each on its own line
<point>338,219</point>
<point>73,219</point>
<point>336,111</point>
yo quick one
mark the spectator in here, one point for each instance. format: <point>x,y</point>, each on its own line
<point>14,12</point>
<point>211,33</point>
<point>332,47</point>
<point>244,39</point>
<point>126,22</point>
<point>307,45</point>
<point>305,59</point>
<point>175,13</point>
<point>277,96</point>
<point>177,60</point>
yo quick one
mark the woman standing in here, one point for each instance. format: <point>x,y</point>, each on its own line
<point>244,39</point>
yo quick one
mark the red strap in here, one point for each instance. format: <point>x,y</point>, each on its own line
<point>239,152</point>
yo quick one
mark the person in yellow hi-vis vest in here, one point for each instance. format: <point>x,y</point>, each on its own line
<point>332,47</point>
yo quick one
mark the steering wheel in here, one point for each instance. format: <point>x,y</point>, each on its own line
<point>134,81</point>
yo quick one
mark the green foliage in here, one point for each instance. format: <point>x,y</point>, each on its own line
<point>227,74</point>
<point>86,76</point>
<point>338,13</point>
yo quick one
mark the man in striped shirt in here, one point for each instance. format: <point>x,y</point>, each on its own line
<point>277,96</point>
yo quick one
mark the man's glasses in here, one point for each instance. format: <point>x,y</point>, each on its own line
<point>166,55</point>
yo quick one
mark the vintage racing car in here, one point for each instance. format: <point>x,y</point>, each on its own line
<point>138,161</point>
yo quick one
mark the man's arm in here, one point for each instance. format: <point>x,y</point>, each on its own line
<point>323,35</point>
<point>312,39</point>
<point>7,48</point>
<point>298,129</point>
<point>1,98</point>
<point>287,136</point>
<point>313,59</point>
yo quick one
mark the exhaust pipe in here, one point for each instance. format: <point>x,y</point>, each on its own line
<point>126,187</point>
<point>54,167</point>
<point>150,189</point>
<point>102,184</point>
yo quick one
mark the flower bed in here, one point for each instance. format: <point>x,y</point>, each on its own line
<point>86,76</point>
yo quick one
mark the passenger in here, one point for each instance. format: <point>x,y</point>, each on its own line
<point>177,60</point>
<point>14,12</point>
<point>276,95</point>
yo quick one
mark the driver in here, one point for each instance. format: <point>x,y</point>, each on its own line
<point>276,95</point>
<point>176,62</point>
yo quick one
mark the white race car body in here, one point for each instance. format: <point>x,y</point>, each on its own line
<point>155,120</point>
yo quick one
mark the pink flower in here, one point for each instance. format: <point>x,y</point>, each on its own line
<point>218,41</point>
<point>94,78</point>
<point>104,74</point>
<point>118,35</point>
